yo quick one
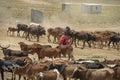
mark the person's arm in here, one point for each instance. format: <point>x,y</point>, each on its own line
<point>61,40</point>
<point>67,41</point>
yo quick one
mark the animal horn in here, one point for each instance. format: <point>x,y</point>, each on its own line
<point>5,47</point>
<point>8,46</point>
<point>105,59</point>
<point>1,46</point>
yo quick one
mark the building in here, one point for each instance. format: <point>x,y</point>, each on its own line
<point>66,7</point>
<point>91,8</point>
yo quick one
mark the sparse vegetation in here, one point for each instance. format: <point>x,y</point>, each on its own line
<point>20,10</point>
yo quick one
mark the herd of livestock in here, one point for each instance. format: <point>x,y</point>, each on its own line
<point>18,62</point>
<point>95,39</point>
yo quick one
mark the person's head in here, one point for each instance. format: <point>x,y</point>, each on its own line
<point>67,28</point>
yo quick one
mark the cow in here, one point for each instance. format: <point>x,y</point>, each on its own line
<point>95,65</point>
<point>48,52</point>
<point>80,61</point>
<point>21,27</point>
<point>36,31</point>
<point>9,65</point>
<point>10,52</point>
<point>114,38</point>
<point>55,32</point>
<point>105,34</point>
<point>45,52</point>
<point>70,69</point>
<point>89,64</point>
<point>25,59</point>
<point>109,62</point>
<point>44,45</point>
<point>84,36</point>
<point>93,74</point>
<point>26,47</point>
<point>117,72</point>
<point>66,50</point>
<point>99,39</point>
<point>11,29</point>
<point>64,69</point>
<point>60,68</point>
<point>60,61</point>
<point>30,70</point>
<point>49,75</point>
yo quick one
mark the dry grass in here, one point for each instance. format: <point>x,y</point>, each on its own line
<point>17,10</point>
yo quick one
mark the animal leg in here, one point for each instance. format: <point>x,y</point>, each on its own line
<point>2,75</point>
<point>13,77</point>
<point>18,33</point>
<point>109,44</point>
<point>83,45</point>
<point>101,45</point>
<point>54,41</point>
<point>49,38</point>
<point>37,38</point>
<point>89,44</point>
<point>64,76</point>
<point>75,43</point>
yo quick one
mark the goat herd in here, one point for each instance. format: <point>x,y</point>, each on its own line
<point>18,62</point>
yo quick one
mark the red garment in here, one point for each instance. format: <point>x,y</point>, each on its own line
<point>62,38</point>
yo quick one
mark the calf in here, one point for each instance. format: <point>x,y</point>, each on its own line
<point>55,32</point>
<point>49,75</point>
<point>66,50</point>
<point>11,29</point>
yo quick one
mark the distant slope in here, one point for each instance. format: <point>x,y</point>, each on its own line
<point>12,11</point>
<point>74,1</point>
